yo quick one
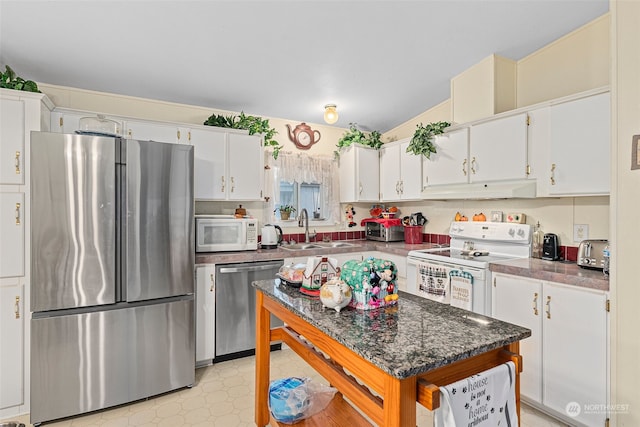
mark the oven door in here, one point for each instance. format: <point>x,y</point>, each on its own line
<point>481,289</point>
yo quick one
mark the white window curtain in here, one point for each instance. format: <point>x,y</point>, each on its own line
<point>300,167</point>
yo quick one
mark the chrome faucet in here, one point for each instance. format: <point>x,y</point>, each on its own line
<point>303,221</point>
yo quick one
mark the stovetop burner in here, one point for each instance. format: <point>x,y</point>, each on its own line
<point>491,242</point>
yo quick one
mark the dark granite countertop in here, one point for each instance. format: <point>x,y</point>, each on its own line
<point>568,273</point>
<point>398,248</point>
<point>410,338</point>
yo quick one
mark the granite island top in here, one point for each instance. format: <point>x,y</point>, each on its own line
<point>568,273</point>
<point>404,340</point>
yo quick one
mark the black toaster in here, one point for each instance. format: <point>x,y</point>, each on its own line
<point>550,247</point>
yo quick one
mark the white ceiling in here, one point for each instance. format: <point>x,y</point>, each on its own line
<point>381,62</point>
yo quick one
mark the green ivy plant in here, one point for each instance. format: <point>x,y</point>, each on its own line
<point>422,141</point>
<point>9,80</point>
<point>356,136</point>
<point>253,124</point>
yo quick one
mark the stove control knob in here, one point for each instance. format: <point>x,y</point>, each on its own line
<point>512,232</point>
<point>521,232</point>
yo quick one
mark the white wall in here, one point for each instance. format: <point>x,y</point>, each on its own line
<point>625,205</point>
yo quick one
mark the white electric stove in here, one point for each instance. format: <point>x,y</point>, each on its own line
<point>460,274</point>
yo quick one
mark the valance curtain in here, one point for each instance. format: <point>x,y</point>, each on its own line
<point>302,168</point>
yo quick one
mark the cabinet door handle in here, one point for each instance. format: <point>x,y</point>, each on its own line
<point>17,163</point>
<point>17,213</point>
<point>16,309</point>
<point>129,133</point>
<point>189,136</point>
<point>360,188</point>
<point>397,187</point>
<point>222,189</point>
<point>473,166</point>
<point>213,284</point>
<point>401,187</point>
<point>464,167</point>
<point>548,309</point>
<point>233,185</point>
<point>553,170</point>
<point>535,304</point>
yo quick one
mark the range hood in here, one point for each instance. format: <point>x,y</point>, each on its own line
<point>520,189</point>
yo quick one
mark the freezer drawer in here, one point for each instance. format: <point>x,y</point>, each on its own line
<point>89,361</point>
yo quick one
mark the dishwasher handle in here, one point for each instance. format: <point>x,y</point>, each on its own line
<point>224,270</point>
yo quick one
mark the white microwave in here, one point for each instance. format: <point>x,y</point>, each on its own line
<point>219,233</point>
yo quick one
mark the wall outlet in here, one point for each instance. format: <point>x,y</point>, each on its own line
<point>580,232</point>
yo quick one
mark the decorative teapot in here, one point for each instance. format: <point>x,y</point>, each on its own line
<point>303,136</point>
<point>336,294</point>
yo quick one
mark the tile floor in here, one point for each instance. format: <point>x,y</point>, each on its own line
<point>223,397</point>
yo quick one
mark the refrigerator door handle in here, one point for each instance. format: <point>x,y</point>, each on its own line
<point>243,269</point>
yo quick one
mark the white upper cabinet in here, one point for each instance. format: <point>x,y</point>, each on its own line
<point>570,146</point>
<point>450,163</point>
<point>400,172</point>
<point>228,166</point>
<point>580,146</point>
<point>245,167</point>
<point>151,131</point>
<point>12,141</point>
<point>12,219</point>
<point>209,165</point>
<point>498,149</point>
<point>359,174</point>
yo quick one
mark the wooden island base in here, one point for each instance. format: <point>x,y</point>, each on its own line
<point>397,408</point>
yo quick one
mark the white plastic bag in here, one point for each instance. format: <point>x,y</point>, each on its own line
<point>294,399</point>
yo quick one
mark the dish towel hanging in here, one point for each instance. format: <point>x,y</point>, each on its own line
<point>487,399</point>
<point>433,282</point>
<point>461,289</point>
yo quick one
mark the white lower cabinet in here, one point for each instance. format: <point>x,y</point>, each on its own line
<point>205,313</point>
<point>12,347</point>
<point>565,360</point>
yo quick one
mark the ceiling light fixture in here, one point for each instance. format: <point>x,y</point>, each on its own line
<point>330,113</point>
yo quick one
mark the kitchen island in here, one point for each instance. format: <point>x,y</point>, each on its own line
<point>402,353</point>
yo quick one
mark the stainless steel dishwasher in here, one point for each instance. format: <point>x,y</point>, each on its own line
<point>236,307</point>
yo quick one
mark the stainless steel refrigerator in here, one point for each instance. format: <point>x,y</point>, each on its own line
<point>112,274</point>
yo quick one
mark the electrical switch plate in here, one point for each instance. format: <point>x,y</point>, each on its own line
<point>580,232</point>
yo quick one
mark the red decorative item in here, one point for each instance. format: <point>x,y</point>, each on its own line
<point>386,222</point>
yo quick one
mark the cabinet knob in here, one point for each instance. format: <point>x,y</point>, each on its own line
<point>17,213</point>
<point>16,308</point>
<point>535,304</point>
<point>548,309</point>
<point>17,163</point>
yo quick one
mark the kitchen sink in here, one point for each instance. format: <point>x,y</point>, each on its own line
<point>318,245</point>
